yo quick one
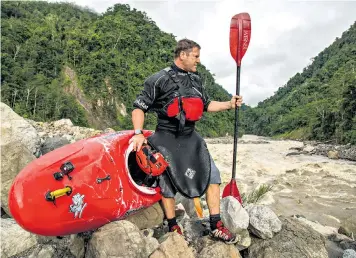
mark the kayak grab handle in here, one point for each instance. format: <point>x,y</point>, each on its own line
<point>100,180</point>
<point>51,196</point>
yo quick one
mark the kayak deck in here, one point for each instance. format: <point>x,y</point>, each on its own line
<point>104,184</point>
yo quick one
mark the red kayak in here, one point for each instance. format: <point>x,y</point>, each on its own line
<point>81,186</point>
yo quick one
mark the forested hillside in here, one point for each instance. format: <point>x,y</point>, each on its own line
<point>319,103</point>
<point>64,61</point>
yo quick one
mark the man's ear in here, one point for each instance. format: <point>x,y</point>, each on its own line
<point>182,54</point>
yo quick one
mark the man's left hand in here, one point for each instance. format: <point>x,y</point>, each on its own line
<point>236,101</point>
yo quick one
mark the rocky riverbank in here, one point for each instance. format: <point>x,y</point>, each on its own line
<point>309,211</point>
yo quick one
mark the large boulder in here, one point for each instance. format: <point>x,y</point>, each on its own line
<point>188,205</point>
<point>71,246</point>
<point>173,245</point>
<point>348,226</point>
<point>324,230</point>
<point>219,250</point>
<point>14,157</point>
<point>147,218</point>
<point>53,143</point>
<point>15,128</point>
<point>349,253</point>
<point>19,142</point>
<point>296,239</point>
<point>234,216</point>
<point>120,239</point>
<point>17,242</point>
<point>264,223</point>
<point>337,244</point>
<point>207,247</point>
<point>194,229</point>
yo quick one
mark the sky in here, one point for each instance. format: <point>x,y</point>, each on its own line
<point>285,35</point>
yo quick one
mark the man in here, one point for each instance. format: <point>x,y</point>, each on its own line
<point>178,97</point>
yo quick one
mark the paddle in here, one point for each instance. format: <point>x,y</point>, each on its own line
<point>198,208</point>
<point>240,34</point>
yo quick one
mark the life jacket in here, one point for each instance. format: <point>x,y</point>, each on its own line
<point>184,106</point>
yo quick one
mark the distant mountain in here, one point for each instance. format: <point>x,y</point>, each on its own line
<point>64,61</point>
<point>318,104</point>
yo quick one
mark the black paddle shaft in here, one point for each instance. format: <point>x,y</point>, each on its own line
<point>236,130</point>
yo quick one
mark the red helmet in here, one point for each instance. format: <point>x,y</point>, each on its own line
<point>150,161</point>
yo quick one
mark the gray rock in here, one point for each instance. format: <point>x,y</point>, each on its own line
<point>188,205</point>
<point>180,212</point>
<point>334,251</point>
<point>44,252</point>
<point>349,253</point>
<point>196,233</point>
<point>14,157</point>
<point>324,230</point>
<point>63,123</point>
<point>295,240</point>
<point>342,241</point>
<point>14,239</point>
<point>120,239</point>
<point>77,246</point>
<point>194,229</point>
<point>343,151</point>
<point>348,227</point>
<point>233,215</point>
<point>147,218</point>
<point>263,221</point>
<point>173,245</point>
<point>244,240</point>
<point>348,152</point>
<point>309,149</point>
<point>148,232</point>
<point>15,128</point>
<point>201,243</point>
<point>333,154</point>
<point>66,246</point>
<point>64,129</point>
<point>53,143</point>
<point>219,250</point>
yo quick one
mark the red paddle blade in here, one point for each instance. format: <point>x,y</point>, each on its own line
<point>240,35</point>
<point>232,190</point>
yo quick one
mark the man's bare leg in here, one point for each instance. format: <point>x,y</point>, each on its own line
<point>213,199</point>
<point>169,205</point>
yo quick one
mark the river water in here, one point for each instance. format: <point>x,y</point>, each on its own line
<point>319,188</point>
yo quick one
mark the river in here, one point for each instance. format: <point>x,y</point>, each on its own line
<point>319,188</point>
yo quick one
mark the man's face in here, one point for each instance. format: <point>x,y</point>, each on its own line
<point>191,60</point>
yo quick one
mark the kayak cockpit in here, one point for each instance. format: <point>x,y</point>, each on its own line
<point>138,178</point>
<point>137,175</point>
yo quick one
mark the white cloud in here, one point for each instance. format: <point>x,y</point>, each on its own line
<point>285,35</point>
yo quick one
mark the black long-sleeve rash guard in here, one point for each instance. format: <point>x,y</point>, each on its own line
<point>160,90</point>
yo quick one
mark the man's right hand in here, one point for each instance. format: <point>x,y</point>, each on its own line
<point>137,140</point>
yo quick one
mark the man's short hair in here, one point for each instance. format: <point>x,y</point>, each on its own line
<point>185,45</point>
